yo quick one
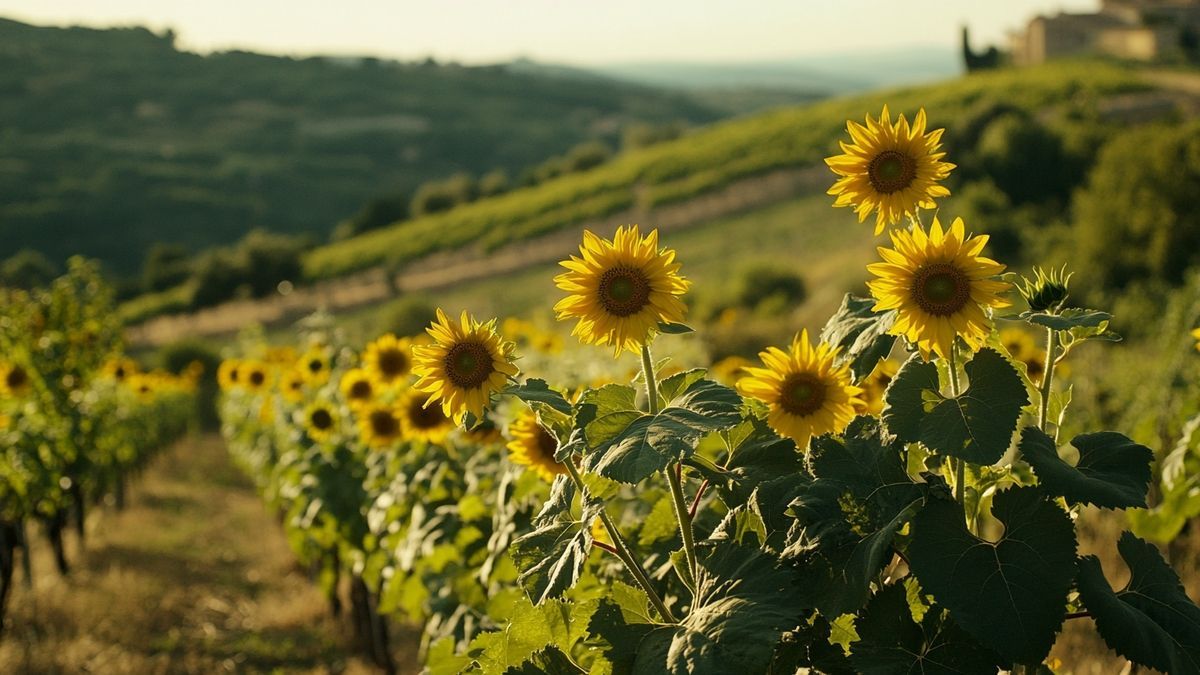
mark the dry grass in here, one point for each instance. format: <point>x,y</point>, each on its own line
<point>193,577</point>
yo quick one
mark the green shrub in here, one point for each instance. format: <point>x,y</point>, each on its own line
<point>27,269</point>
<point>177,357</point>
<point>409,315</point>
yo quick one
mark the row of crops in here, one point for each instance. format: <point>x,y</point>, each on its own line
<point>77,418</point>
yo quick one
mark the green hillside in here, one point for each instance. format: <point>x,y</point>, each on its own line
<point>714,156</point>
<point>111,140</point>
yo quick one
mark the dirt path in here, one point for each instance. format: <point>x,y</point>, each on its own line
<point>194,576</point>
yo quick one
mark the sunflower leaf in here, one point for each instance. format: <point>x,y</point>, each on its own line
<point>1069,318</point>
<point>1151,621</point>
<point>904,400</point>
<point>552,556</point>
<point>978,425</point>
<point>1011,594</point>
<point>650,443</point>
<point>850,514</point>
<point>537,390</point>
<point>745,601</point>
<point>891,641</point>
<point>670,328</point>
<point>1112,471</point>
<point>861,333</point>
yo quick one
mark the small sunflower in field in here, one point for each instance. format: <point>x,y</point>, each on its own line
<point>421,422</point>
<point>320,421</point>
<point>620,290</point>
<point>1196,334</point>
<point>533,447</point>
<point>388,359</point>
<point>874,385</point>
<point>1024,349</point>
<point>254,376</point>
<point>227,374</point>
<point>805,392</point>
<point>890,168</point>
<point>142,384</point>
<point>357,387</point>
<point>467,362</point>
<point>314,363</point>
<point>730,369</point>
<point>292,384</point>
<point>485,433</point>
<point>117,369</point>
<point>14,379</point>
<point>939,285</point>
<point>379,425</point>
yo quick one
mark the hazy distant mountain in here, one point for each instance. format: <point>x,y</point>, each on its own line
<point>832,73</point>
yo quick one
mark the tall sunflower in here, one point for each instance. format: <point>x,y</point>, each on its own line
<point>620,290</point>
<point>119,368</point>
<point>388,359</point>
<point>379,425</point>
<point>227,374</point>
<point>939,285</point>
<point>890,168</point>
<point>421,422</point>
<point>467,362</point>
<point>534,447</point>
<point>292,384</point>
<point>314,363</point>
<point>357,388</point>
<point>14,379</point>
<point>805,392</point>
<point>320,421</point>
<point>1196,334</point>
<point>254,375</point>
<point>874,385</point>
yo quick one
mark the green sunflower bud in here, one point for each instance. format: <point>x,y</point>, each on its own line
<point>1046,291</point>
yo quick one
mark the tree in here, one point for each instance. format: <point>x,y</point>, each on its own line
<point>166,265</point>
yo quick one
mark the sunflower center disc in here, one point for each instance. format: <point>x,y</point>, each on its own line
<point>423,417</point>
<point>468,364</point>
<point>941,289</point>
<point>802,394</point>
<point>316,366</point>
<point>257,378</point>
<point>119,373</point>
<point>392,362</point>
<point>16,378</point>
<point>383,424</point>
<point>321,419</point>
<point>891,171</point>
<point>360,389</point>
<point>547,444</point>
<point>624,291</point>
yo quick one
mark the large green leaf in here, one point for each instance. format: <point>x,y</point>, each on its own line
<point>745,601</point>
<point>1151,621</point>
<point>622,619</point>
<point>758,455</point>
<point>976,426</point>
<point>1112,471</point>
<point>890,641</point>
<point>650,443</point>
<point>849,515</point>
<point>535,390</point>
<point>1010,594</point>
<point>861,333</point>
<point>533,639</point>
<point>552,556</point>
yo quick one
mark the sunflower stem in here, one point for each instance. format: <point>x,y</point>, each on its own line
<point>960,466</point>
<point>622,549</point>
<point>674,472</point>
<point>1047,379</point>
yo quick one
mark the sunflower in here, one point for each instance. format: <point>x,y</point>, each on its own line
<point>314,363</point>
<point>890,168</point>
<point>805,392</point>
<point>14,379</point>
<point>1196,334</point>
<point>119,368</point>
<point>418,421</point>
<point>466,363</point>
<point>356,387</point>
<point>292,384</point>
<point>227,374</point>
<point>939,286</point>
<point>379,425</point>
<point>534,447</point>
<point>254,375</point>
<point>320,421</point>
<point>142,384</point>
<point>874,385</point>
<point>1022,348</point>
<point>621,289</point>
<point>388,359</point>
<point>729,369</point>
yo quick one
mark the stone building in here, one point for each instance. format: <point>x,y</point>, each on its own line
<point>1143,30</point>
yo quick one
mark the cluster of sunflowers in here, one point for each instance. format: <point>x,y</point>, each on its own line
<point>76,417</point>
<point>837,510</point>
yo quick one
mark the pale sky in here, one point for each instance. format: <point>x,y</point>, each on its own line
<point>579,32</point>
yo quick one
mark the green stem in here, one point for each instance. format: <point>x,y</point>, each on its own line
<point>674,472</point>
<point>621,548</point>
<point>960,467</point>
<point>1047,378</point>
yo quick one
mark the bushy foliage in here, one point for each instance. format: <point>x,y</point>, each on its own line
<point>27,269</point>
